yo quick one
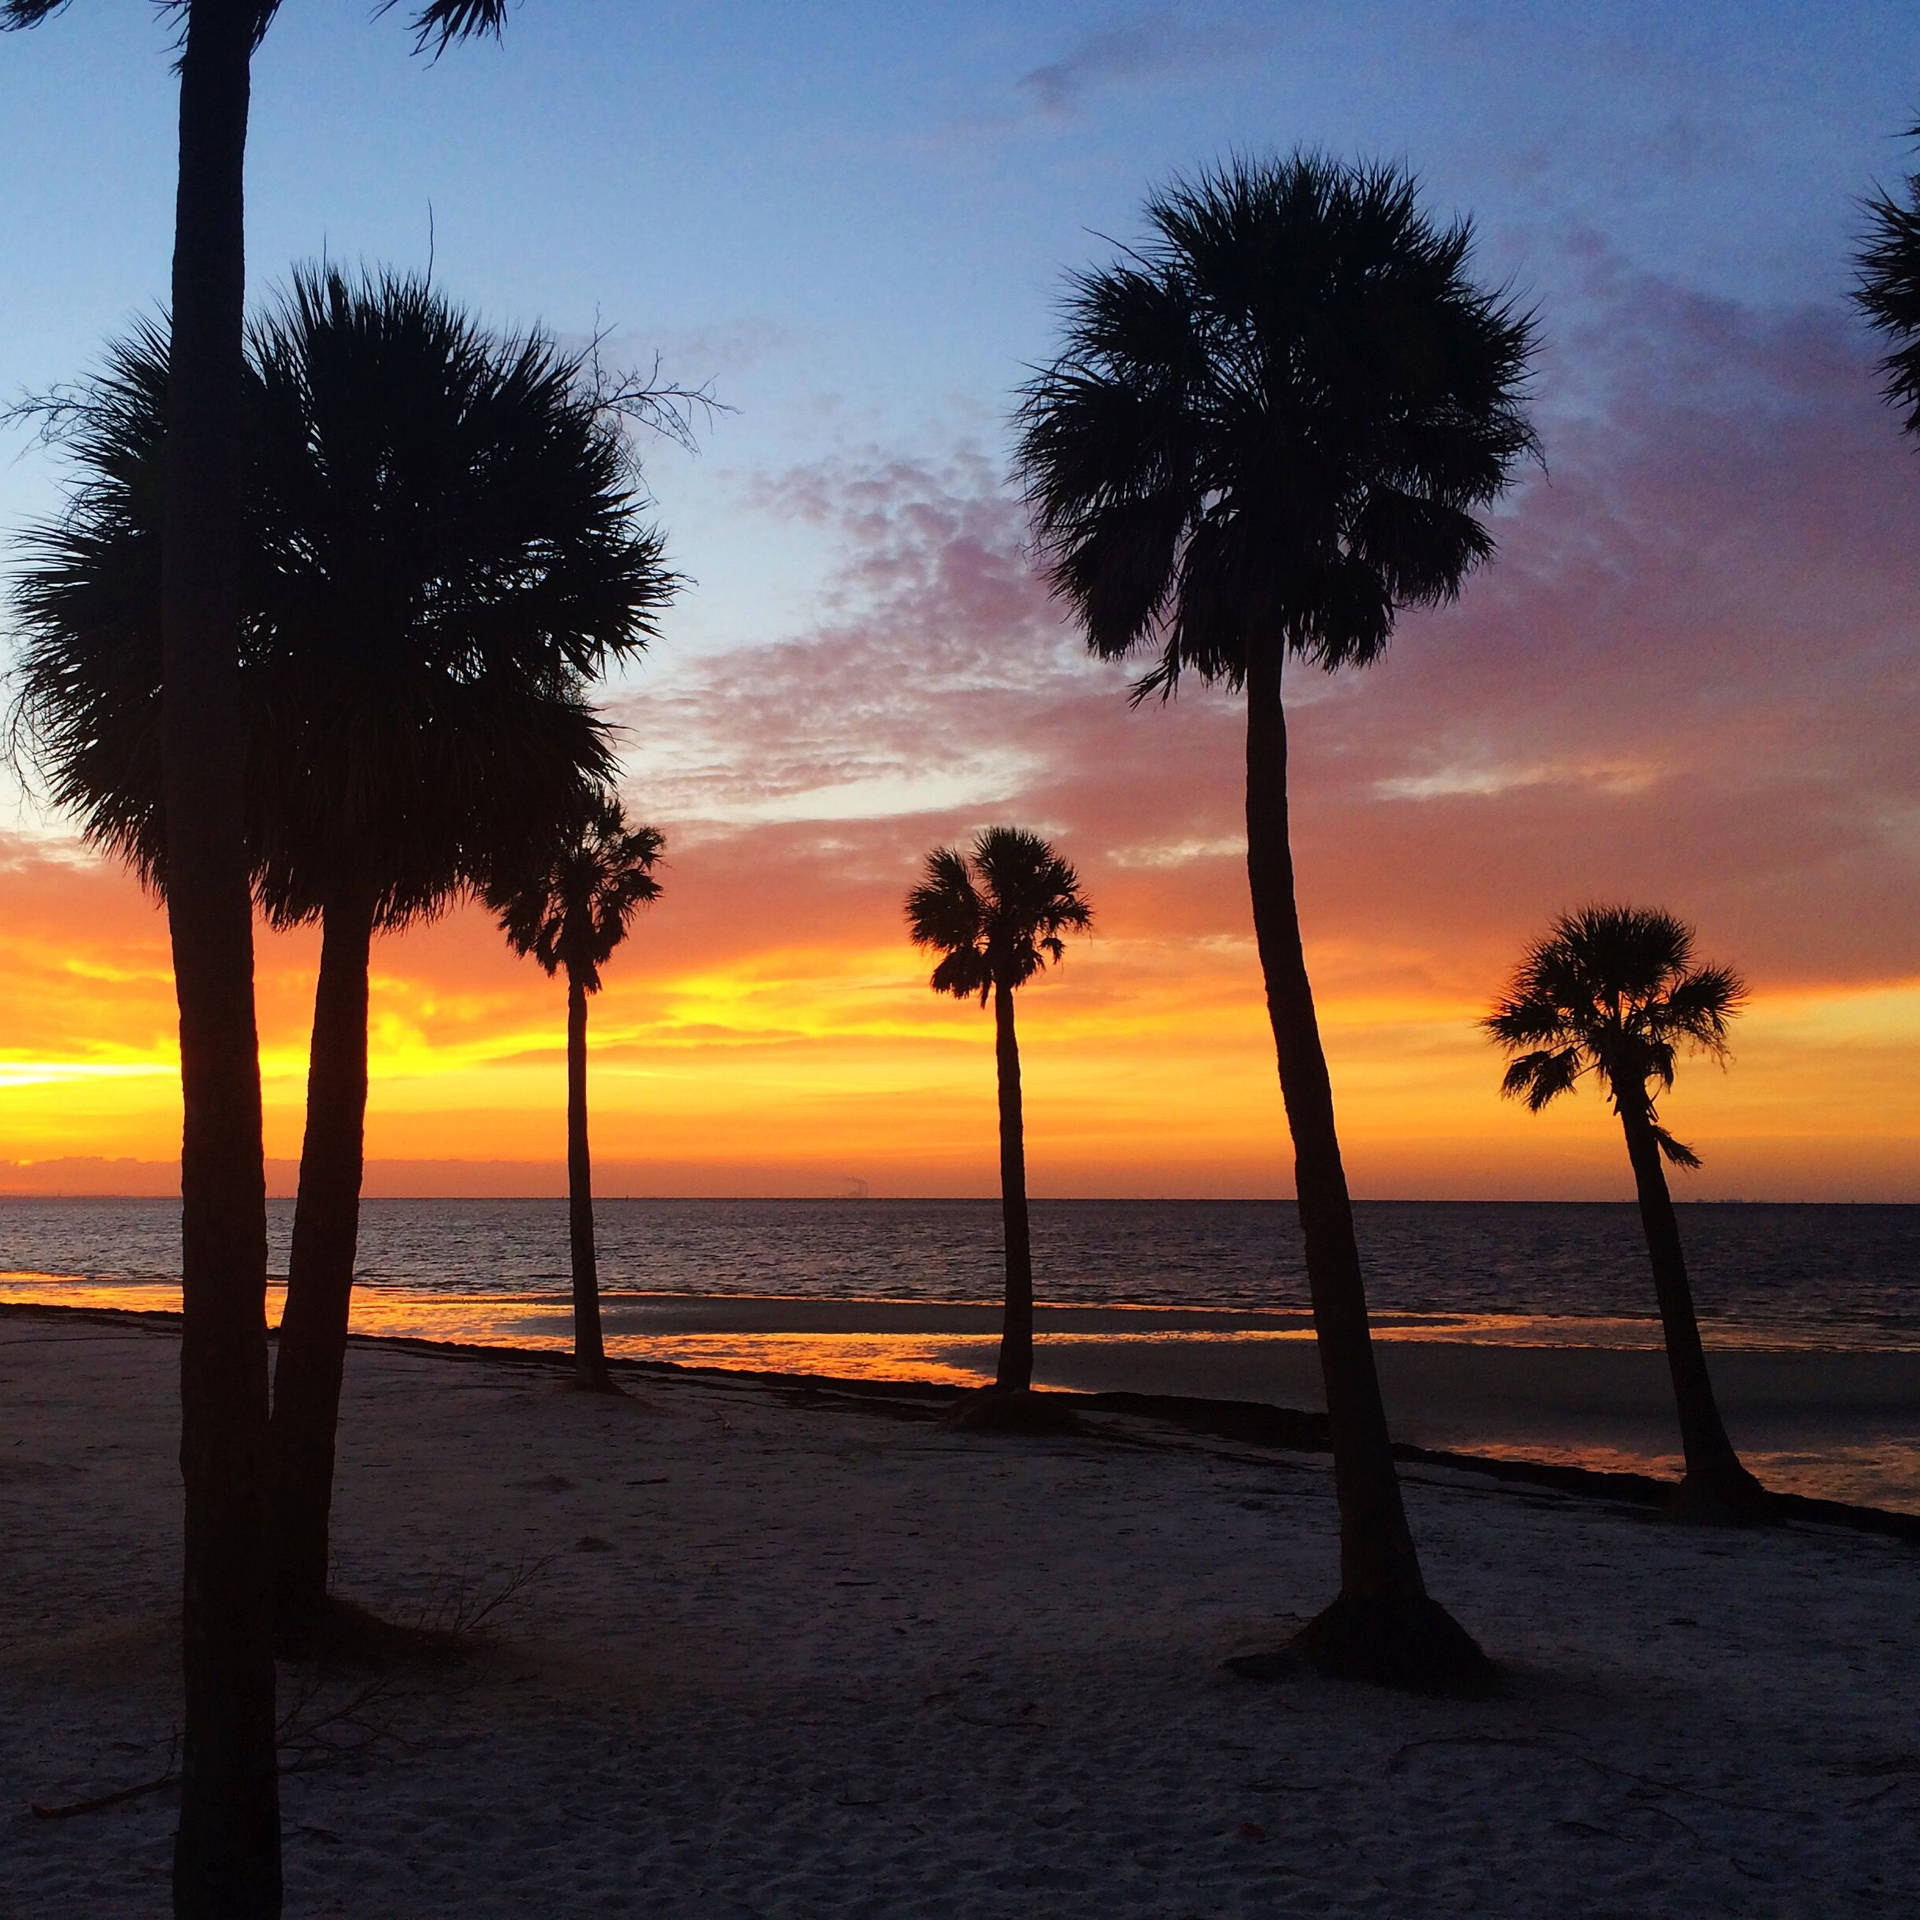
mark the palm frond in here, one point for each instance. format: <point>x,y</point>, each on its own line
<point>1675,1151</point>
<point>1543,1076</point>
<point>1887,290</point>
<point>441,23</point>
<point>945,913</point>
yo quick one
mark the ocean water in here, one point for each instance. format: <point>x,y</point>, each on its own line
<point>1789,1276</point>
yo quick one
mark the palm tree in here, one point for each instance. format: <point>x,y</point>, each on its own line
<point>439,552</point>
<point>995,924</point>
<point>1614,991</point>
<point>571,911</point>
<point>227,1849</point>
<point>1888,291</point>
<point>1271,428</point>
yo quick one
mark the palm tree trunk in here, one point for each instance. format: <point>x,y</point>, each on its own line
<point>1383,1626</point>
<point>1016,1327</point>
<point>226,1859</point>
<point>326,1231</point>
<point>1714,1475</point>
<point>589,1351</point>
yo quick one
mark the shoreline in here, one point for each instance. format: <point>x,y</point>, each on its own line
<point>1257,1422</point>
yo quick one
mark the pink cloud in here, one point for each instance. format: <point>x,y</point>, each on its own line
<point>1689,677</point>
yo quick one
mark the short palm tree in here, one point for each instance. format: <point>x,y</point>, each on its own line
<point>569,910</point>
<point>996,920</point>
<point>439,549</point>
<point>1888,289</point>
<point>227,1852</point>
<point>1614,991</point>
<point>1275,424</point>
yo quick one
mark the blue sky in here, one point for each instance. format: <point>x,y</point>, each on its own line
<point>853,218</point>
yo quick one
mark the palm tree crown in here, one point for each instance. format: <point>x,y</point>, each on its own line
<point>999,921</point>
<point>1273,422</point>
<point>1888,291</point>
<point>439,550</point>
<point>576,908</point>
<point>1612,991</point>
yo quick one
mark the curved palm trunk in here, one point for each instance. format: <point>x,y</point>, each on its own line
<point>589,1353</point>
<point>1016,1327</point>
<point>1714,1475</point>
<point>226,1859</point>
<point>1383,1626</point>
<point>326,1231</point>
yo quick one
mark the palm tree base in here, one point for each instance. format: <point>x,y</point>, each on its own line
<point>1012,1410</point>
<point>1407,1641</point>
<point>1722,1497</point>
<point>600,1382</point>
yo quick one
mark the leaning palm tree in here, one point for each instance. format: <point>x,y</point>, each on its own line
<point>1888,289</point>
<point>227,1850</point>
<point>569,910</point>
<point>1614,991</point>
<point>1275,424</point>
<point>995,922</point>
<point>439,550</point>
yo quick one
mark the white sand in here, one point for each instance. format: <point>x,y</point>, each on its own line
<point>805,1659</point>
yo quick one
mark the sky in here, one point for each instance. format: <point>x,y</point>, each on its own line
<point>1688,678</point>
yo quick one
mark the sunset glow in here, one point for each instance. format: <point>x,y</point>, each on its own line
<point>798,1068</point>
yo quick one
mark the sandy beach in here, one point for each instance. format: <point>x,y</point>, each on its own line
<point>781,1651</point>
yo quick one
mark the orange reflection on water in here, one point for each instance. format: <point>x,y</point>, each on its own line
<point>545,1322</point>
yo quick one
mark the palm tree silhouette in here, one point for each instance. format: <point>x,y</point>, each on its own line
<point>1271,428</point>
<point>439,551</point>
<point>571,911</point>
<point>227,1848</point>
<point>996,923</point>
<point>1613,991</point>
<point>1888,289</point>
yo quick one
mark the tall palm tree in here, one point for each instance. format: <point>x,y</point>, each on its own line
<point>439,551</point>
<point>227,1848</point>
<point>1888,289</point>
<point>1614,991</point>
<point>995,922</point>
<point>571,910</point>
<point>1274,425</point>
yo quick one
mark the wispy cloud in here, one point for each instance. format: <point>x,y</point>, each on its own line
<point>1154,47</point>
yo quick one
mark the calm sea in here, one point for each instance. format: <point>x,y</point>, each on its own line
<point>1769,1275</point>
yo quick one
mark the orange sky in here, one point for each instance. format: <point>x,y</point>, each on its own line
<point>792,1066</point>
<point>1690,680</point>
